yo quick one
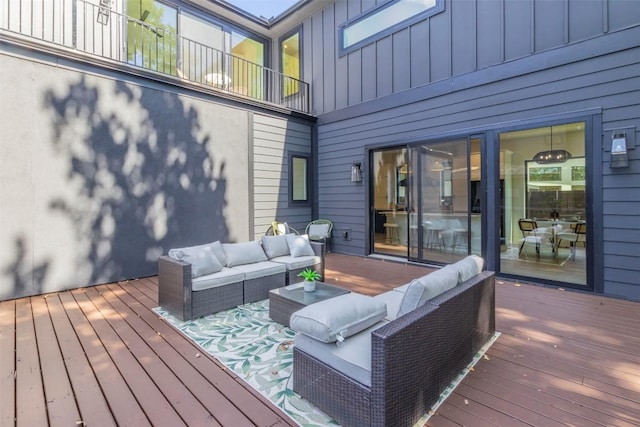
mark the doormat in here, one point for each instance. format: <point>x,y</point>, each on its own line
<point>260,351</point>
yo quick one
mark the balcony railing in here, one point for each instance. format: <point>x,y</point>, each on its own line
<point>97,30</point>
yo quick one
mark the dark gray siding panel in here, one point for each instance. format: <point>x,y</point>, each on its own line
<point>550,23</point>
<point>518,31</point>
<point>490,49</point>
<point>368,72</point>
<point>463,33</point>
<point>585,20</point>
<point>419,54</point>
<point>605,82</point>
<point>384,67</point>
<point>400,58</point>
<point>467,35</point>
<point>440,47</point>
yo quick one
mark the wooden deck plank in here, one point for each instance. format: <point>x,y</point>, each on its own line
<point>121,401</point>
<point>146,346</point>
<point>230,398</point>
<point>532,397</point>
<point>157,408</point>
<point>92,404</point>
<point>30,401</point>
<point>61,404</point>
<point>7,362</point>
<point>563,357</point>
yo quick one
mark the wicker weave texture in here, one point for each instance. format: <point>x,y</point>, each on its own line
<point>413,359</point>
<point>258,289</point>
<point>346,400</point>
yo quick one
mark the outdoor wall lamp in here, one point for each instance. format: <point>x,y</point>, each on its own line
<point>356,172</point>
<point>619,157</point>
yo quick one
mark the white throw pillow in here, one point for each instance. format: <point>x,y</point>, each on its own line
<point>338,318</point>
<point>318,230</point>
<point>468,267</point>
<point>275,246</point>
<point>299,245</point>
<point>243,253</point>
<point>202,259</point>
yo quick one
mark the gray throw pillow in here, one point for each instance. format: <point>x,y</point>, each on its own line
<point>275,246</point>
<point>299,245</point>
<point>202,259</point>
<point>219,251</point>
<point>428,287</point>
<point>468,267</point>
<point>243,253</point>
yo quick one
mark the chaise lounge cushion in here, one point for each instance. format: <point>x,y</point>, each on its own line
<point>202,258</point>
<point>428,287</point>
<point>299,245</point>
<point>338,318</point>
<point>275,246</point>
<point>243,253</point>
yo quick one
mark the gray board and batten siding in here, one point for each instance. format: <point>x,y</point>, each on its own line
<point>102,171</point>
<point>509,70</point>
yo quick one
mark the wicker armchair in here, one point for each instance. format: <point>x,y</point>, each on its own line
<point>319,230</point>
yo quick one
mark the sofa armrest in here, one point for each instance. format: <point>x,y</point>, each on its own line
<point>414,357</point>
<point>174,286</point>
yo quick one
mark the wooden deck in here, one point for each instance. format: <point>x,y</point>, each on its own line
<point>100,356</point>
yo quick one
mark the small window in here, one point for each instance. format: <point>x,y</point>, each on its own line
<point>290,57</point>
<point>299,178</point>
<point>390,17</point>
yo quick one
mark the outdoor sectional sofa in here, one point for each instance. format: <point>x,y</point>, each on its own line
<point>201,280</point>
<point>387,362</point>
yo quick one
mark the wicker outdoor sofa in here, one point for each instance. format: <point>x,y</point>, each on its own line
<point>414,356</point>
<point>201,280</point>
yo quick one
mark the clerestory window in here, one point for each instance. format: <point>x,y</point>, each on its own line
<point>382,21</point>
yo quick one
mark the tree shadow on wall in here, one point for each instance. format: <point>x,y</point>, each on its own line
<point>142,173</point>
<point>25,278</point>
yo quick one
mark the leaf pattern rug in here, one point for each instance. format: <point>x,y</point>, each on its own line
<point>260,351</point>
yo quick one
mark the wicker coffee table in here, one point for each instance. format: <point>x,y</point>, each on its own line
<point>283,302</point>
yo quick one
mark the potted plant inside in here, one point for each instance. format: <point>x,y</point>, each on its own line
<point>310,276</point>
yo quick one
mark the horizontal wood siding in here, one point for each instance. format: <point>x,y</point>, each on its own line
<point>273,139</point>
<point>610,82</point>
<point>467,36</point>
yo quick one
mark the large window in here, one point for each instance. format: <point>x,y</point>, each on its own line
<point>290,57</point>
<point>246,67</point>
<point>151,35</point>
<point>388,18</point>
<point>299,178</point>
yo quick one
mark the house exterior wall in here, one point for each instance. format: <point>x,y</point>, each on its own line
<point>476,67</point>
<point>102,171</point>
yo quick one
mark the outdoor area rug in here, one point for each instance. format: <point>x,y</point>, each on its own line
<point>260,351</point>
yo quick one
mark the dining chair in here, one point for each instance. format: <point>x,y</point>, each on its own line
<point>532,234</point>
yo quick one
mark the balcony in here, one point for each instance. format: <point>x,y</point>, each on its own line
<point>100,34</point>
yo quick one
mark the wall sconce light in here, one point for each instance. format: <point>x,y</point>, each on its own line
<point>619,157</point>
<point>356,172</point>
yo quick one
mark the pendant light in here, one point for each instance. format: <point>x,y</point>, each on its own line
<point>552,156</point>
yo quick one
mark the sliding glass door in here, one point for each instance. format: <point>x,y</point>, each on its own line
<point>443,227</point>
<point>544,207</point>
